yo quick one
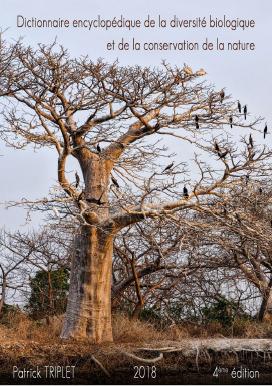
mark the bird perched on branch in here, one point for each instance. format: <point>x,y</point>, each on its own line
<point>187,70</point>
<point>98,148</point>
<point>55,210</point>
<point>230,121</point>
<point>245,111</point>
<point>96,201</point>
<point>251,140</point>
<point>222,95</point>
<point>185,192</point>
<point>114,181</point>
<point>239,107</point>
<point>77,179</point>
<point>82,196</point>
<point>247,179</point>
<point>121,145</point>
<point>223,155</point>
<point>197,121</point>
<point>201,72</point>
<point>168,167</point>
<point>216,147</point>
<point>265,130</point>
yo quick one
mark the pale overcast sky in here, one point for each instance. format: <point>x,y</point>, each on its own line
<point>246,75</point>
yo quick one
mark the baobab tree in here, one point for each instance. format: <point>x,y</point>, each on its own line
<point>113,120</point>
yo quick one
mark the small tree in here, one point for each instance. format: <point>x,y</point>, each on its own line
<point>238,236</point>
<point>223,311</point>
<point>12,281</point>
<point>49,290</point>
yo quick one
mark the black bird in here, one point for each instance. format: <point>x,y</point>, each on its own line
<point>168,167</point>
<point>260,190</point>
<point>230,121</point>
<point>121,145</point>
<point>245,111</point>
<point>222,95</point>
<point>250,140</point>
<point>223,155</point>
<point>247,179</point>
<point>196,121</point>
<point>95,200</point>
<point>185,192</point>
<point>216,146</point>
<point>77,179</point>
<point>239,107</point>
<point>81,196</point>
<point>114,181</point>
<point>98,148</point>
<point>265,131</point>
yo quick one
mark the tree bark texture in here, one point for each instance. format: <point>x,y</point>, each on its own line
<point>88,313</point>
<point>89,302</point>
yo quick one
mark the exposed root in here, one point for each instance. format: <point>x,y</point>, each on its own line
<point>235,349</point>
<point>207,355</point>
<point>105,371</point>
<point>153,360</point>
<point>160,349</point>
<point>197,357</point>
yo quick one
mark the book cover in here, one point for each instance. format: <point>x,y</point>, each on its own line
<point>136,218</point>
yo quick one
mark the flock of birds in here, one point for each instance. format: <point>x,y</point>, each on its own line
<point>239,107</point>
<point>115,182</point>
<point>222,154</point>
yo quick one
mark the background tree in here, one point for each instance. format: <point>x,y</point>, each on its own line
<point>111,119</point>
<point>26,255</point>
<point>48,295</point>
<point>241,236</point>
<point>12,281</point>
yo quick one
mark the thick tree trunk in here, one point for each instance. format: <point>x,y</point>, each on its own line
<point>3,295</point>
<point>266,305</point>
<point>1,305</point>
<point>88,312</point>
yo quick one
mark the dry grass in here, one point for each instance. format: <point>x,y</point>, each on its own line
<point>127,330</point>
<point>252,329</point>
<point>18,327</point>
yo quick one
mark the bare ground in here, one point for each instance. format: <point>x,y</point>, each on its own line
<point>141,354</point>
<point>189,361</point>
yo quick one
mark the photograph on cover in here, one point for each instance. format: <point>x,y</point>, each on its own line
<point>135,200</point>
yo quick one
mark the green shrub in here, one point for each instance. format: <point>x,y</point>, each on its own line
<point>49,290</point>
<point>223,311</point>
